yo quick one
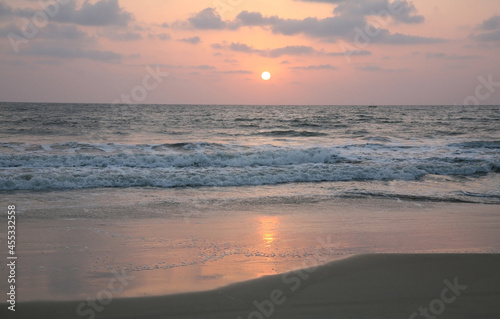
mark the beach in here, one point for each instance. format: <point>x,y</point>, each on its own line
<point>370,258</point>
<point>226,211</point>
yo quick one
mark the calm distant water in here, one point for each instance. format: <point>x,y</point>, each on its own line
<point>443,153</point>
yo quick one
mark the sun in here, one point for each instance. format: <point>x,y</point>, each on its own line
<point>266,75</point>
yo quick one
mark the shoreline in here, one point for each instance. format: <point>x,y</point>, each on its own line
<point>365,286</point>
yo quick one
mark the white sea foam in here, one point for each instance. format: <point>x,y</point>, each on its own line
<point>223,168</point>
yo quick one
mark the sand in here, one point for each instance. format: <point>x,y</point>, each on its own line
<point>375,259</point>
<point>71,257</point>
<point>365,286</point>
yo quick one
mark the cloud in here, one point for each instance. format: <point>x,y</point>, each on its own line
<point>315,67</point>
<point>104,12</point>
<point>241,47</point>
<point>350,53</point>
<point>204,67</point>
<point>51,31</point>
<point>333,27</point>
<point>254,19</point>
<point>193,40</point>
<point>273,53</point>
<point>160,36</point>
<point>492,23</point>
<point>122,36</point>
<point>291,50</point>
<point>70,32</point>
<point>235,72</point>
<point>435,55</point>
<point>68,52</point>
<point>5,10</point>
<point>385,37</point>
<point>488,37</point>
<point>408,13</point>
<point>207,19</point>
<point>492,26</point>
<point>399,10</point>
<point>349,18</point>
<point>8,29</point>
<point>374,68</point>
<point>439,55</point>
<point>101,13</point>
<point>324,1</point>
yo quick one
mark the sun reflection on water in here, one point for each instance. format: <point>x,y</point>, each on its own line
<point>268,226</point>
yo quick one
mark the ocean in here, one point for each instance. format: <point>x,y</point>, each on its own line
<point>433,153</point>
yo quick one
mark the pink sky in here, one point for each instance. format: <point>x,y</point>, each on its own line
<point>318,51</point>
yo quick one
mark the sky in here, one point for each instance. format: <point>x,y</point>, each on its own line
<point>333,52</point>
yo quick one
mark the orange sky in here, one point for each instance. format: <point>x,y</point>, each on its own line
<point>97,51</point>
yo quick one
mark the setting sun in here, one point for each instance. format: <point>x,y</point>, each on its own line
<point>266,75</point>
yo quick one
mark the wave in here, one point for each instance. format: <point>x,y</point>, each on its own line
<point>291,133</point>
<point>67,178</point>
<point>85,165</point>
<point>122,176</point>
<point>477,144</point>
<point>177,155</point>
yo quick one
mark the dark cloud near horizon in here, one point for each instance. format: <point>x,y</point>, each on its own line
<point>293,50</point>
<point>350,53</point>
<point>234,72</point>
<point>375,68</point>
<point>440,55</point>
<point>204,67</point>
<point>66,52</point>
<point>314,67</point>
<point>273,53</point>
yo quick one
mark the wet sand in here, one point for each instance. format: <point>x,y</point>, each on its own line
<point>365,286</point>
<point>70,254</point>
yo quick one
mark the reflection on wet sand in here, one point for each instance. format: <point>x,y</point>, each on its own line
<point>268,228</point>
<point>76,258</point>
